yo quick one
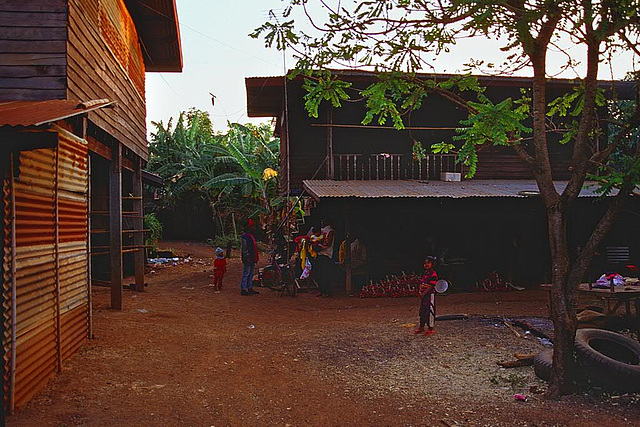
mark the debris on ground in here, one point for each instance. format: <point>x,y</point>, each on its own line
<point>521,360</point>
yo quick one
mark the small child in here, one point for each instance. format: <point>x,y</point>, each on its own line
<point>219,268</point>
<point>427,297</point>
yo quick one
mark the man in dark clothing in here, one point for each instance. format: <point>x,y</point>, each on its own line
<point>249,259</point>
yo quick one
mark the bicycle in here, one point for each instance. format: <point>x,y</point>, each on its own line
<point>278,276</point>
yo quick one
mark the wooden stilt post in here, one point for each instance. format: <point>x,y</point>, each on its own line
<point>330,171</point>
<point>347,258</point>
<point>138,239</point>
<point>115,226</point>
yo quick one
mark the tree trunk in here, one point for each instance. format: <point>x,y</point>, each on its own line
<point>563,305</point>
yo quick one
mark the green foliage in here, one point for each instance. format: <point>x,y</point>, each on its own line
<point>153,224</point>
<point>496,124</point>
<point>224,169</point>
<point>418,152</point>
<point>326,88</point>
<point>623,164</point>
<point>384,97</point>
<point>442,148</point>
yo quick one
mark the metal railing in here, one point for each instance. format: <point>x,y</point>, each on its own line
<point>386,166</point>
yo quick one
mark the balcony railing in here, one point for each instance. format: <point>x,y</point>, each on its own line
<point>384,166</point>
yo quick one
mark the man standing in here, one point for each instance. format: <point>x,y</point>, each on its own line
<point>249,259</point>
<point>323,266</point>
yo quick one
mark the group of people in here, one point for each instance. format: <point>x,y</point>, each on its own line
<point>316,253</point>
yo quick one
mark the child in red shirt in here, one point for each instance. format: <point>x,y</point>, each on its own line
<point>219,268</point>
<point>427,298</point>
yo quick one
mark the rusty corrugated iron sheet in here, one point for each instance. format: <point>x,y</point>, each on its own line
<point>36,338</point>
<point>430,189</point>
<point>51,187</point>
<point>72,230</point>
<point>38,113</point>
<point>6,291</point>
<point>74,324</point>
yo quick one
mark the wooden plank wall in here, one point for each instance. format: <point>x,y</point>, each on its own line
<point>33,36</point>
<point>94,72</point>
<point>504,163</point>
<point>307,144</point>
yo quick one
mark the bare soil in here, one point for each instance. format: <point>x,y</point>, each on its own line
<point>180,354</point>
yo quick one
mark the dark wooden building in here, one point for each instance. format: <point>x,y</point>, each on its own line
<point>364,178</point>
<point>73,126</point>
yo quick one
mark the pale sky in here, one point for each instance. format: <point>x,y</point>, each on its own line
<point>218,54</point>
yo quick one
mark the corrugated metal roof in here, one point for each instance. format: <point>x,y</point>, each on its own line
<point>38,113</point>
<point>319,189</point>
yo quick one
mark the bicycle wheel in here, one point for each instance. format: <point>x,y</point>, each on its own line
<point>270,278</point>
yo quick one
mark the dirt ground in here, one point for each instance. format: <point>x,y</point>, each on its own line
<point>180,354</point>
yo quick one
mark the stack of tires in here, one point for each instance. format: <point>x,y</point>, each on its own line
<point>607,360</point>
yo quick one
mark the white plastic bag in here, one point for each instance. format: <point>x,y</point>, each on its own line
<point>307,269</point>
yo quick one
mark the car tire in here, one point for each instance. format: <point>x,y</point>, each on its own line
<point>610,360</point>
<point>543,364</point>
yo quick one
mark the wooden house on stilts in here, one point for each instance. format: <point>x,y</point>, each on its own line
<point>73,147</point>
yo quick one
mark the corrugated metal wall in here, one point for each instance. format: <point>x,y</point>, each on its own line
<point>51,261</point>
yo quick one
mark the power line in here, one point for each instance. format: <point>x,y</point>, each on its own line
<point>228,45</point>
<point>170,87</point>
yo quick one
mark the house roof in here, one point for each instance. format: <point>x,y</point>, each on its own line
<point>152,179</point>
<point>159,32</point>
<point>265,94</point>
<point>38,113</point>
<point>323,189</point>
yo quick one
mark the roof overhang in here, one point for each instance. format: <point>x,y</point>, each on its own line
<point>159,32</point>
<point>265,94</point>
<point>152,179</point>
<point>38,113</point>
<point>329,189</point>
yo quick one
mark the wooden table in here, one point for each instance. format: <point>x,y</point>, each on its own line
<point>620,295</point>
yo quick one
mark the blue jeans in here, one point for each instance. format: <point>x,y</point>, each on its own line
<point>247,276</point>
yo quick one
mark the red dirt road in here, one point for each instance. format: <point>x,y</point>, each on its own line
<point>180,354</point>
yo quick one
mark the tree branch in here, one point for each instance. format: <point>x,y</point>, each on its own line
<point>524,156</point>
<point>605,224</point>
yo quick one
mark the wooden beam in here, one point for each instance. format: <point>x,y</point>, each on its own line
<point>128,164</point>
<point>138,225</point>
<point>98,147</point>
<point>115,226</point>
<point>348,276</point>
<point>330,143</point>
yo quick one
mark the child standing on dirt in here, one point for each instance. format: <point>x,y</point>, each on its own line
<point>219,268</point>
<point>427,297</point>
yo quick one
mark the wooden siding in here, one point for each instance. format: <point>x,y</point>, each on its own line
<point>504,163</point>
<point>33,36</point>
<point>94,72</point>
